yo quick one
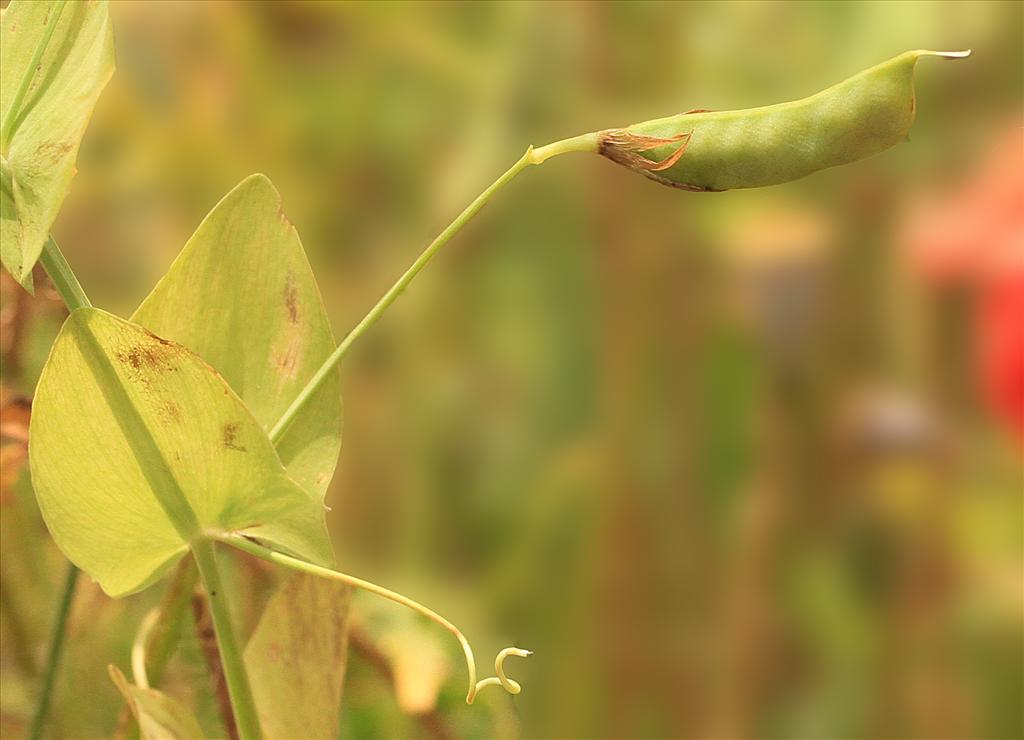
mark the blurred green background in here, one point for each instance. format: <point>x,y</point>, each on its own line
<point>733,465</point>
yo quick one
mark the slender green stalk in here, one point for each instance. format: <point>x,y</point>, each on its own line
<point>230,654</point>
<point>14,112</point>
<point>56,648</point>
<point>265,553</point>
<point>74,297</point>
<point>63,276</point>
<point>584,143</point>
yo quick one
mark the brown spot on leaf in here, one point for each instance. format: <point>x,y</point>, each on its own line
<point>170,411</point>
<point>284,218</point>
<point>53,150</point>
<point>131,357</point>
<point>143,357</point>
<point>285,354</point>
<point>147,358</point>
<point>291,298</point>
<point>161,340</point>
<point>229,437</point>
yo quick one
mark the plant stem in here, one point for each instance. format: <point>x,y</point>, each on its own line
<point>246,545</point>
<point>74,297</point>
<point>231,656</point>
<point>14,112</point>
<point>56,648</point>
<point>71,292</point>
<point>584,143</point>
<point>63,276</point>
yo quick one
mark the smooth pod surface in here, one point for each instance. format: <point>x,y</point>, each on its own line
<point>724,150</point>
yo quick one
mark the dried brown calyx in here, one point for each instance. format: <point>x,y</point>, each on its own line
<point>626,148</point>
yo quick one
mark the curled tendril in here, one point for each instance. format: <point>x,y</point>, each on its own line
<point>501,679</point>
<point>139,649</point>
<point>252,547</point>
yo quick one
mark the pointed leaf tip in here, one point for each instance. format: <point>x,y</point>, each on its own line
<point>242,295</point>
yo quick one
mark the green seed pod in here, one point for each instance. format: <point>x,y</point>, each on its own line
<point>710,151</point>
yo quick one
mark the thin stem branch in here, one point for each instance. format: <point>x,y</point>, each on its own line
<point>63,277</point>
<point>584,143</point>
<point>56,649</point>
<point>246,545</point>
<point>231,655</point>
<point>74,297</point>
<point>14,112</point>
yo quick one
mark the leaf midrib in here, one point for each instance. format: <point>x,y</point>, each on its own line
<point>151,461</point>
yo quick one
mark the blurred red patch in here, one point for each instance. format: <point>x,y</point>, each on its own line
<point>974,235</point>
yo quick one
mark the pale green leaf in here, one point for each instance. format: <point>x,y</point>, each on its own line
<point>296,658</point>
<point>48,127</point>
<point>159,716</point>
<point>242,296</point>
<point>137,446</point>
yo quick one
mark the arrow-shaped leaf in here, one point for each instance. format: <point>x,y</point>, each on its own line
<point>242,296</point>
<point>138,447</point>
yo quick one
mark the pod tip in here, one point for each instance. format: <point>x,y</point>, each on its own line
<point>947,54</point>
